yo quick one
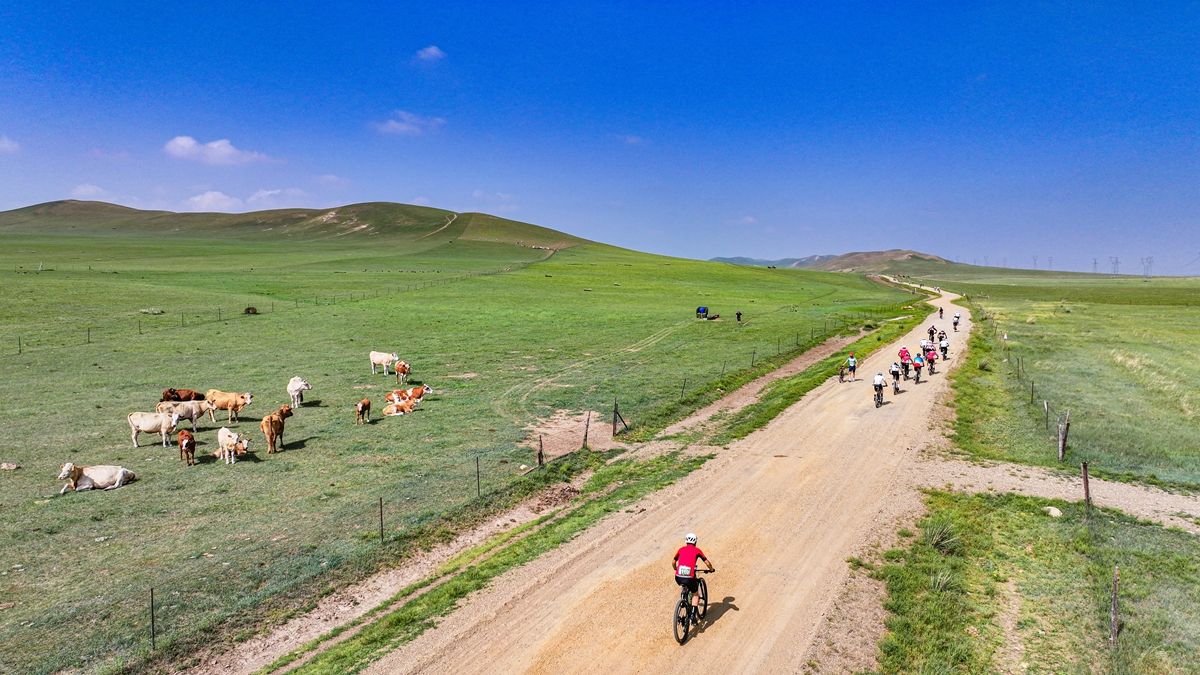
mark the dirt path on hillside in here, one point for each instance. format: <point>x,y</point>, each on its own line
<point>778,512</point>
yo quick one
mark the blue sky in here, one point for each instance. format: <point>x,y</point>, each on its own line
<point>1001,130</point>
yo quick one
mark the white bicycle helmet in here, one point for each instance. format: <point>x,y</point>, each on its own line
<point>690,538</point>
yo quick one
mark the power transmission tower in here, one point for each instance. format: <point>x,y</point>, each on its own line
<point>975,261</point>
<point>1005,265</point>
<point>1147,264</point>
<point>1035,262</point>
<point>985,261</point>
<point>1095,265</point>
<point>1116,265</point>
<point>1051,259</point>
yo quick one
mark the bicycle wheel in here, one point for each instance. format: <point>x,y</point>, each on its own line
<point>703,599</point>
<point>680,621</point>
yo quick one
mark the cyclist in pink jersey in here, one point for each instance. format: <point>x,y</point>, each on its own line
<point>684,565</point>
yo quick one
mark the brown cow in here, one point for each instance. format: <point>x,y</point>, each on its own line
<point>272,426</point>
<point>187,447</point>
<point>401,395</point>
<point>181,395</point>
<point>402,370</point>
<point>362,412</point>
<point>401,408</point>
<point>233,403</point>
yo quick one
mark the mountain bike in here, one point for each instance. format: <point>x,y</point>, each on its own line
<point>878,396</point>
<point>917,374</point>
<point>895,387</point>
<point>682,620</point>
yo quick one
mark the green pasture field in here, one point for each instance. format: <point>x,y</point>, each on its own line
<point>504,332</point>
<point>949,591</point>
<point>1120,353</point>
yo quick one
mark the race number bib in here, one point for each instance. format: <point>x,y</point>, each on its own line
<point>684,571</point>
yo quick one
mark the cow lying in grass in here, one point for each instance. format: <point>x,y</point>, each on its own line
<point>102,477</point>
<point>397,409</point>
<point>182,395</point>
<point>187,410</point>
<point>296,388</point>
<point>152,423</point>
<point>272,427</point>
<point>230,445</point>
<point>231,402</point>
<point>362,412</point>
<point>416,393</point>
<point>383,359</point>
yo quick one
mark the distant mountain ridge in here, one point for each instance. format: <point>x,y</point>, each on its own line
<point>797,263</point>
<point>873,261</point>
<point>419,226</point>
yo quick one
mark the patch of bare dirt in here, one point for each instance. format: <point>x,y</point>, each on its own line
<point>564,433</point>
<point>463,376</point>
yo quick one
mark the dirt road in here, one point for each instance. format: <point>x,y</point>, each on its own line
<point>778,513</point>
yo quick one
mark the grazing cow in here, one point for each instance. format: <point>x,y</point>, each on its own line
<point>233,403</point>
<point>272,427</point>
<point>152,423</point>
<point>187,410</point>
<point>383,359</point>
<point>187,447</point>
<point>397,409</point>
<point>406,394</point>
<point>296,388</point>
<point>182,395</point>
<point>402,369</point>
<point>230,445</point>
<point>362,412</point>
<point>104,477</point>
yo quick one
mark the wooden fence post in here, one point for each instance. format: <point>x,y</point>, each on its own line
<point>1031,392</point>
<point>586,426</point>
<point>478,489</point>
<point>1046,405</point>
<point>614,433</point>
<point>1112,609</point>
<point>541,455</point>
<point>1087,490</point>
<point>153,625</point>
<point>381,520</point>
<point>753,353</point>
<point>1064,428</point>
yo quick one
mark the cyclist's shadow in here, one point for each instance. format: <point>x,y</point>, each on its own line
<point>717,610</point>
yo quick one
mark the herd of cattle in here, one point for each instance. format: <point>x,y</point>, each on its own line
<point>191,405</point>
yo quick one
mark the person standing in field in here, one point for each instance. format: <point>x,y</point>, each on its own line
<point>739,316</point>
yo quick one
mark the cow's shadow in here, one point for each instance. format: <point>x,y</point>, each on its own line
<point>311,403</point>
<point>295,445</point>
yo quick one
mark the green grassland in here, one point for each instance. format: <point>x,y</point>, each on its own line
<point>1117,352</point>
<point>567,325</point>
<point>950,592</point>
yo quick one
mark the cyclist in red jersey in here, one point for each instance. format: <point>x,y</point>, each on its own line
<point>684,565</point>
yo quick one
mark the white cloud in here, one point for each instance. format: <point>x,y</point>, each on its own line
<point>8,146</point>
<point>212,201</point>
<point>631,140</point>
<point>220,153</point>
<point>744,220</point>
<point>328,179</point>
<point>431,53</point>
<point>275,199</point>
<point>420,201</point>
<point>408,124</point>
<point>88,191</point>
<point>503,202</point>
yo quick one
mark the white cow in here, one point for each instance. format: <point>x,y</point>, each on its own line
<point>296,388</point>
<point>383,359</point>
<point>105,477</point>
<point>230,445</point>
<point>187,410</point>
<point>152,423</point>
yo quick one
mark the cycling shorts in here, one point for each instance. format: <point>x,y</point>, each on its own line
<point>692,583</point>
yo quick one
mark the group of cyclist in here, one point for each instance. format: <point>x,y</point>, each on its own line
<point>908,362</point>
